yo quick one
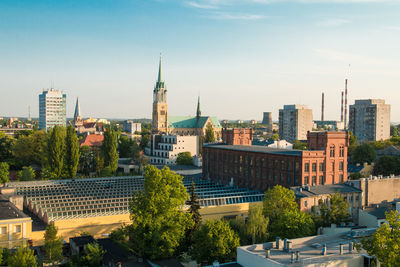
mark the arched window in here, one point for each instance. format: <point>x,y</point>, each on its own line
<point>332,151</point>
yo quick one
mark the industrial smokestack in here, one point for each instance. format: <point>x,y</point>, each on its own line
<point>345,105</point>
<point>323,107</point>
<point>341,108</point>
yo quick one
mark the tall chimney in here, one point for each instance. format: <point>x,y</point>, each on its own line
<point>345,105</point>
<point>323,107</point>
<point>341,108</point>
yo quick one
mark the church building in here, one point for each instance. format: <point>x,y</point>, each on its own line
<point>178,125</point>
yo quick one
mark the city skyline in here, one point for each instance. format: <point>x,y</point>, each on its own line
<point>259,55</point>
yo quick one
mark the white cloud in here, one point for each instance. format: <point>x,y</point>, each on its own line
<point>201,5</point>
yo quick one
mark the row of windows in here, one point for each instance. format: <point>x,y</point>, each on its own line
<point>321,166</point>
<point>3,229</point>
<point>332,151</point>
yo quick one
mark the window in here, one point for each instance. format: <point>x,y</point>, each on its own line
<point>321,179</point>
<point>305,179</point>
<point>305,204</point>
<point>282,178</point>
<point>341,178</point>
<point>341,151</point>
<point>3,230</point>
<point>282,165</point>
<point>341,164</point>
<point>17,229</point>
<point>333,166</point>
<point>321,167</point>
<point>332,151</point>
<point>314,167</point>
<point>307,167</point>
<point>314,180</point>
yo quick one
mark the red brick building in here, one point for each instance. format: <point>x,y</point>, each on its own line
<point>237,136</point>
<point>259,167</point>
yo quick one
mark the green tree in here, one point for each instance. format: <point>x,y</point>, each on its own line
<point>194,210</point>
<point>257,224</point>
<point>300,145</point>
<point>98,161</point>
<point>23,257</point>
<point>52,244</point>
<point>209,136</point>
<point>356,176</point>
<point>158,222</point>
<point>56,150</point>
<point>364,153</point>
<point>93,255</point>
<point>352,143</point>
<point>128,148</point>
<point>387,165</point>
<point>384,243</point>
<point>184,158</point>
<point>338,209</point>
<point>28,150</point>
<point>71,152</point>
<point>215,240</point>
<point>285,219</point>
<point>109,149</point>
<point>394,131</point>
<point>6,145</point>
<point>144,141</point>
<point>4,172</point>
<point>239,226</point>
<point>27,174</point>
<point>274,137</point>
<point>86,160</point>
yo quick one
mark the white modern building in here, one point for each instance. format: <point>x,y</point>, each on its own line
<point>369,120</point>
<point>132,127</point>
<point>52,109</point>
<point>164,149</point>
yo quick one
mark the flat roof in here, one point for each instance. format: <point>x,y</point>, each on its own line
<point>258,149</point>
<point>309,191</point>
<point>9,211</point>
<point>310,249</point>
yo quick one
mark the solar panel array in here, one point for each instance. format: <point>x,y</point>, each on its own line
<point>81,198</point>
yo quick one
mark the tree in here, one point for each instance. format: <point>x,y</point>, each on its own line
<point>387,165</point>
<point>352,143</point>
<point>128,148</point>
<point>184,158</point>
<point>285,219</point>
<point>194,210</point>
<point>300,145</point>
<point>338,210</point>
<point>86,160</point>
<point>23,257</point>
<point>6,145</point>
<point>109,149</point>
<point>52,244</point>
<point>4,172</point>
<point>394,131</point>
<point>27,174</point>
<point>98,161</point>
<point>384,243</point>
<point>93,255</point>
<point>257,224</point>
<point>364,153</point>
<point>355,176</point>
<point>71,152</point>
<point>209,136</point>
<point>215,240</point>
<point>277,200</point>
<point>158,222</point>
<point>56,150</point>
<point>144,141</point>
<point>28,150</point>
<point>274,137</point>
<point>239,226</point>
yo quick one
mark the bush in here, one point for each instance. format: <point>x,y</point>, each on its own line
<point>184,158</point>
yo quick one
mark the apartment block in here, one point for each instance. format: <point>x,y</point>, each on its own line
<point>52,109</point>
<point>294,122</point>
<point>369,120</point>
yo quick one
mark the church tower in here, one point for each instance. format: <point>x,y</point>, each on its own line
<point>77,115</point>
<point>160,106</point>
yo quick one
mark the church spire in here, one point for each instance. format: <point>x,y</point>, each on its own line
<point>77,109</point>
<point>160,82</point>
<point>198,113</point>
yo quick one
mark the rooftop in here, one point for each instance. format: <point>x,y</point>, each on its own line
<point>258,149</point>
<point>379,212</point>
<point>82,240</point>
<point>9,210</point>
<point>92,140</point>
<point>310,249</point>
<point>328,189</point>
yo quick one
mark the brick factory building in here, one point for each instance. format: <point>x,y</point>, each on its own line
<point>259,167</point>
<point>237,136</point>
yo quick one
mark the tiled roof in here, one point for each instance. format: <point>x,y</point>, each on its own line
<point>259,149</point>
<point>324,190</point>
<point>92,140</point>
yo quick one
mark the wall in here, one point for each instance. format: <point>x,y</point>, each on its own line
<point>366,219</point>
<point>13,240</point>
<point>378,190</point>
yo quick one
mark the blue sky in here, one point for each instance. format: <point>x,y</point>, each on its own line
<point>242,56</point>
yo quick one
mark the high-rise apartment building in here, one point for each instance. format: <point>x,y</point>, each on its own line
<point>294,122</point>
<point>369,120</point>
<point>52,109</point>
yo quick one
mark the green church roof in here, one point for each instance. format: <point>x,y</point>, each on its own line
<point>191,122</point>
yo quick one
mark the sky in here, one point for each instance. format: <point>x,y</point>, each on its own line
<point>242,57</point>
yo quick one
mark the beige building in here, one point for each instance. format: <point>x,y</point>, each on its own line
<point>294,122</point>
<point>369,120</point>
<point>164,149</point>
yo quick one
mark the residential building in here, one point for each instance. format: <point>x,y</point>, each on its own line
<point>237,136</point>
<point>178,125</point>
<point>92,140</point>
<point>322,250</point>
<point>52,109</point>
<point>280,144</point>
<point>369,120</point>
<point>164,149</point>
<point>309,196</point>
<point>294,122</point>
<point>132,127</point>
<point>329,125</point>
<point>15,226</point>
<point>259,167</point>
<point>373,217</point>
